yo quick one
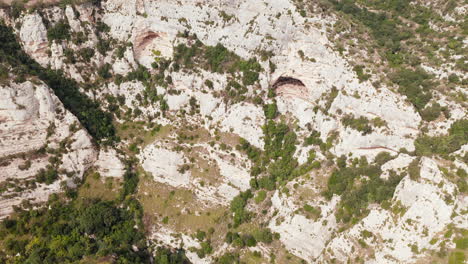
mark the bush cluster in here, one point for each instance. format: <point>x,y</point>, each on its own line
<point>445,144</point>
<point>359,185</point>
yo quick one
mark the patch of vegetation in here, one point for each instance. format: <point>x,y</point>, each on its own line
<point>80,230</point>
<point>169,256</point>
<point>359,184</point>
<point>444,144</point>
<point>59,31</point>
<point>68,232</point>
<point>414,170</point>
<point>236,239</point>
<point>218,59</point>
<point>86,53</point>
<point>431,113</point>
<point>260,197</point>
<point>313,139</point>
<point>362,76</point>
<point>238,204</point>
<point>17,7</point>
<point>228,258</point>
<point>271,110</point>
<point>416,85</point>
<point>103,46</point>
<point>402,36</point>
<point>314,211</point>
<point>330,98</point>
<point>457,257</point>
<point>277,163</point>
<point>361,124</point>
<point>47,176</point>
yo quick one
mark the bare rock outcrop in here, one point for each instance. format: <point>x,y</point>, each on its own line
<point>38,136</point>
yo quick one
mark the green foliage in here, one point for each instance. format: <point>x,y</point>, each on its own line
<point>17,7</point>
<point>315,212</point>
<point>356,197</point>
<point>431,113</point>
<point>97,122</point>
<point>209,84</point>
<point>271,111</point>
<point>382,19</point>
<point>102,27</point>
<point>361,124</point>
<point>205,249</point>
<point>263,235</point>
<point>313,139</point>
<point>59,31</point>
<point>47,176</point>
<point>261,195</point>
<point>104,71</point>
<point>383,28</point>
<point>228,258</point>
<point>238,205</point>
<point>445,144</point>
<point>277,163</point>
<point>130,183</point>
<point>382,158</point>
<point>86,53</point>
<point>456,257</point>
<point>200,235</point>
<point>280,145</point>
<point>103,46</point>
<point>359,69</point>
<point>416,85</point>
<point>66,233</point>
<point>141,74</point>
<point>167,256</point>
<point>414,171</point>
<point>331,97</point>
<point>461,243</point>
<point>218,59</point>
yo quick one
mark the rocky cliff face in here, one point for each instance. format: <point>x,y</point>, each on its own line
<point>196,89</point>
<point>38,137</point>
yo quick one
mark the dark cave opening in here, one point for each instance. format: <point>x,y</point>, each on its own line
<point>283,80</point>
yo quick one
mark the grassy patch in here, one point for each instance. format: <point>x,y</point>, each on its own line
<point>97,187</point>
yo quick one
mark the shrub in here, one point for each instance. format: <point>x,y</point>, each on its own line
<point>70,232</point>
<point>356,197</point>
<point>431,113</point>
<point>359,69</point>
<point>261,195</point>
<point>263,235</point>
<point>60,31</point>
<point>103,46</point>
<point>313,139</point>
<point>416,85</point>
<point>17,7</point>
<point>361,124</point>
<point>271,111</point>
<point>47,176</point>
<point>216,59</point>
<point>86,53</point>
<point>238,207</point>
<point>444,144</point>
<point>104,71</point>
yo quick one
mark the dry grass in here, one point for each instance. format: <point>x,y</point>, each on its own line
<point>183,211</point>
<point>96,187</point>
